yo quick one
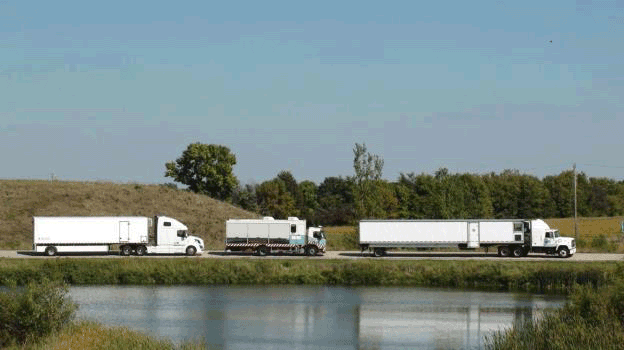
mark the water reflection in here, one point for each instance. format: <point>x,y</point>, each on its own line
<point>296,317</point>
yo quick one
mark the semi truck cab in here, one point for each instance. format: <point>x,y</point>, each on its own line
<point>317,236</point>
<point>549,241</point>
<point>172,236</point>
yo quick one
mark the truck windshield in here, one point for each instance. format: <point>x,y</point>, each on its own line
<point>319,235</point>
<point>556,233</point>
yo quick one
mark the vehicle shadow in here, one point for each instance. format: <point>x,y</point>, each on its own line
<point>482,255</point>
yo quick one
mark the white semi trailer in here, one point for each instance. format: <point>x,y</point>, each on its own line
<point>512,237</point>
<point>267,235</point>
<point>132,234</point>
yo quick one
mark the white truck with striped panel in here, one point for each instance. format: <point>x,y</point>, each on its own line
<point>267,235</point>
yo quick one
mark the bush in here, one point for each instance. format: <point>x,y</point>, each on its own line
<point>33,312</point>
<point>593,319</point>
<point>600,242</point>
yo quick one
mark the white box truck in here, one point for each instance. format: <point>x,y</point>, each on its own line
<point>132,234</point>
<point>267,235</point>
<point>512,237</point>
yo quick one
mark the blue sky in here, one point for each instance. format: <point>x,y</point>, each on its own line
<point>113,90</point>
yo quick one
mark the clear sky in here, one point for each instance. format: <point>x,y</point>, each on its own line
<point>112,90</point>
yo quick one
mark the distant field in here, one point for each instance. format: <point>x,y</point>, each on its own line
<point>20,200</point>
<point>595,234</point>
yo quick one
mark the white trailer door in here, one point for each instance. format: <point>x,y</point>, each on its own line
<point>473,234</point>
<point>124,231</point>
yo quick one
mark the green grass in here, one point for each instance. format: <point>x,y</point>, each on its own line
<point>592,319</point>
<point>93,336</point>
<point>551,276</point>
<point>342,238</point>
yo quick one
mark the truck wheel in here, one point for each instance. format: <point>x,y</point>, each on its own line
<point>190,251</point>
<point>379,252</point>
<point>518,252</point>
<point>126,250</point>
<point>50,251</point>
<point>563,252</point>
<point>141,250</point>
<point>504,251</point>
<point>262,250</point>
<point>311,250</point>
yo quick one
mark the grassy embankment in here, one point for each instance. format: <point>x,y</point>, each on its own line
<point>546,276</point>
<point>20,200</point>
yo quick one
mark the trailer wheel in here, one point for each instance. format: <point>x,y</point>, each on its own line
<point>262,250</point>
<point>563,252</point>
<point>518,252</point>
<point>311,250</point>
<point>126,250</point>
<point>141,250</point>
<point>504,251</point>
<point>379,252</point>
<point>190,251</point>
<point>50,251</point>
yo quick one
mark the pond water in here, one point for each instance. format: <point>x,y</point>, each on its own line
<point>311,317</point>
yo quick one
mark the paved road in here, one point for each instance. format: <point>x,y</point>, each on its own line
<point>351,255</point>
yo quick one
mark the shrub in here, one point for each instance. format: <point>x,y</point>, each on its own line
<point>600,242</point>
<point>593,319</point>
<point>33,312</point>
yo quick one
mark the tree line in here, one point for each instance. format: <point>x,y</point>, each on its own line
<point>339,200</point>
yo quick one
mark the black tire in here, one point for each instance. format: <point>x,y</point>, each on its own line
<point>141,250</point>
<point>125,250</point>
<point>563,252</point>
<point>504,251</point>
<point>518,252</point>
<point>379,252</point>
<point>190,251</point>
<point>50,251</point>
<point>311,250</point>
<point>262,250</point>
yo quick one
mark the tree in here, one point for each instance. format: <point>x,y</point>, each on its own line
<point>245,197</point>
<point>275,200</point>
<point>335,198</point>
<point>205,169</point>
<point>307,200</point>
<point>368,169</point>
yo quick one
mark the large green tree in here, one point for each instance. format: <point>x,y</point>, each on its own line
<point>275,200</point>
<point>367,180</point>
<point>205,169</point>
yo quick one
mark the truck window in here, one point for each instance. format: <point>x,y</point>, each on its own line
<point>182,233</point>
<point>317,235</point>
<point>517,227</point>
<point>549,235</point>
<point>293,228</point>
<point>167,223</point>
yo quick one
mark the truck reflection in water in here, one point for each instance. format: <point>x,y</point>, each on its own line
<point>303,317</point>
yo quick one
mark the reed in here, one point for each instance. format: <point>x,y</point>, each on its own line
<point>593,319</point>
<point>93,336</point>
<point>530,276</point>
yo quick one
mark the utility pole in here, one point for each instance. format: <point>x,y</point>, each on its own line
<point>575,222</point>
